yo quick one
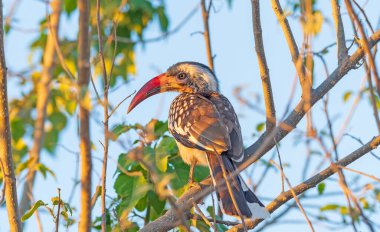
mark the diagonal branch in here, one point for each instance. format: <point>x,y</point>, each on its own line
<point>293,48</point>
<point>270,110</point>
<point>364,43</point>
<point>266,142</point>
<point>313,181</point>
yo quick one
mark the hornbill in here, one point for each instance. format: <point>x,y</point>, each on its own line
<point>207,132</point>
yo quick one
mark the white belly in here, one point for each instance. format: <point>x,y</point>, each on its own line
<point>191,155</point>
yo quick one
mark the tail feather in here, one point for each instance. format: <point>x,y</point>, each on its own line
<point>249,205</point>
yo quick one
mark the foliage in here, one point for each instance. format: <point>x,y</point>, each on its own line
<point>120,20</point>
<point>147,175</point>
<point>65,210</point>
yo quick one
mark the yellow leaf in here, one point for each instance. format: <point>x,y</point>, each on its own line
<point>312,23</point>
<point>85,100</point>
<point>71,66</point>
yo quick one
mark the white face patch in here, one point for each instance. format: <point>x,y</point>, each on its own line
<point>204,74</point>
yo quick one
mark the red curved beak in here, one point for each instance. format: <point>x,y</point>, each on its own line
<point>158,84</point>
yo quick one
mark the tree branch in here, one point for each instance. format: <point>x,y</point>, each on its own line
<point>293,48</point>
<point>313,181</point>
<point>266,142</point>
<point>364,43</point>
<point>5,141</point>
<point>206,34</point>
<point>43,97</point>
<point>264,71</point>
<point>340,37</point>
<point>84,113</point>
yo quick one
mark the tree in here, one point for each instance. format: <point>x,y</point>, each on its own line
<point>68,113</point>
<point>6,161</point>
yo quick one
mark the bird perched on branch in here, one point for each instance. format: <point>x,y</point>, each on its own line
<point>207,132</point>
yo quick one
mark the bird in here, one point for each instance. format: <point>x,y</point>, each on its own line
<point>207,132</point>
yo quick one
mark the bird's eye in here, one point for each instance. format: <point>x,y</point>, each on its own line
<point>181,76</point>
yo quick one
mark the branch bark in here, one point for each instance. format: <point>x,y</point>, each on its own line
<point>313,181</point>
<point>264,71</point>
<point>293,48</point>
<point>364,43</point>
<point>84,114</point>
<point>340,37</point>
<point>206,33</point>
<point>43,91</point>
<point>5,141</point>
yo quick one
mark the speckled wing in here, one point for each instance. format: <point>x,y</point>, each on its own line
<point>206,122</point>
<point>230,119</point>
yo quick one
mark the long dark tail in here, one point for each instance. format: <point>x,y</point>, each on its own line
<point>247,202</point>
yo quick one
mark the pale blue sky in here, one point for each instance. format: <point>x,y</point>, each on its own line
<point>236,65</point>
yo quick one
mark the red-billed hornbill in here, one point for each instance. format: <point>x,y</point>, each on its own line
<point>207,131</point>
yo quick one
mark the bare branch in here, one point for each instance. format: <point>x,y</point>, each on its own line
<point>340,37</point>
<point>266,142</point>
<point>364,43</point>
<point>294,195</point>
<point>264,71</point>
<point>206,33</point>
<point>9,179</point>
<point>43,97</point>
<point>313,181</point>
<point>293,48</point>
<point>84,114</point>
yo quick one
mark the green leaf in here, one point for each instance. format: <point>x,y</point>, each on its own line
<point>65,215</point>
<point>200,173</point>
<point>30,212</point>
<point>164,22</point>
<point>68,208</point>
<point>58,120</point>
<point>181,173</point>
<point>167,147</point>
<point>160,128</point>
<point>321,188</point>
<point>324,51</point>
<point>329,207</point>
<point>17,128</point>
<point>51,139</point>
<point>141,204</point>
<point>364,203</point>
<point>131,189</point>
<point>347,96</point>
<point>157,204</point>
<point>70,6</point>
<point>260,127</point>
<point>119,130</point>
<point>44,170</point>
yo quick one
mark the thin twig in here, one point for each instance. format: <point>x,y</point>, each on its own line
<point>364,43</point>
<point>296,58</point>
<point>59,210</point>
<point>361,173</point>
<point>294,195</point>
<point>206,34</point>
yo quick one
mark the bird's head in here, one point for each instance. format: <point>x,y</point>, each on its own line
<point>184,77</point>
